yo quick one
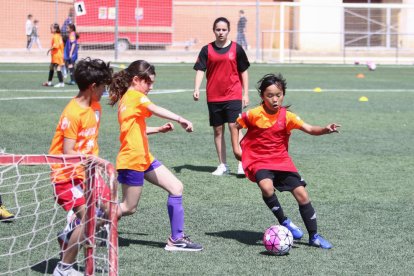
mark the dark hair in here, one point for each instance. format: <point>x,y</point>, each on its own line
<point>56,27</point>
<point>122,79</point>
<point>271,79</point>
<point>89,71</point>
<point>73,28</point>
<point>221,19</point>
<point>241,11</point>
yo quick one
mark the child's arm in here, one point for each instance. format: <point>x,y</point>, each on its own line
<point>165,128</point>
<point>318,130</point>
<point>235,142</point>
<point>166,114</point>
<point>69,146</point>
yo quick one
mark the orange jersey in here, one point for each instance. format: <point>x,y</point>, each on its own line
<point>82,125</point>
<point>260,118</point>
<point>134,152</point>
<point>57,47</point>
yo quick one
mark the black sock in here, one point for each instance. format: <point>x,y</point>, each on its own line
<point>50,75</point>
<point>275,207</point>
<point>60,76</point>
<point>71,70</point>
<point>309,218</point>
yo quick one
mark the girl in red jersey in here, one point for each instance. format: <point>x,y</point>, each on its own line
<point>56,52</point>
<point>226,65</point>
<point>265,156</point>
<point>135,162</point>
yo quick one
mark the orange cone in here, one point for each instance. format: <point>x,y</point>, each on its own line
<point>360,76</point>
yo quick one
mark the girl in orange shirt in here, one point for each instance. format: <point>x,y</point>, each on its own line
<point>135,162</point>
<point>56,52</point>
<point>265,158</point>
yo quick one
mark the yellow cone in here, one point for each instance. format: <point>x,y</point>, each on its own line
<point>122,66</point>
<point>317,89</point>
<point>363,99</point>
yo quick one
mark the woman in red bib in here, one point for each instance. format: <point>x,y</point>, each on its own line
<point>225,63</point>
<point>265,158</point>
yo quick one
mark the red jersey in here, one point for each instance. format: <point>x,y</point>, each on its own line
<point>266,148</point>
<point>223,79</point>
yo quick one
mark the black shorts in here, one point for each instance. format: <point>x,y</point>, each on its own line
<point>282,181</point>
<point>224,112</point>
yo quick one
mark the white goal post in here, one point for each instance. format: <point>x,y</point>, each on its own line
<point>29,242</point>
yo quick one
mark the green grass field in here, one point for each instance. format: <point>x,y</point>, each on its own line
<point>360,181</point>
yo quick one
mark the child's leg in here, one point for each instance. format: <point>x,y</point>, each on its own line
<point>59,73</point>
<point>51,72</point>
<point>306,209</point>
<point>269,197</point>
<point>130,200</point>
<point>69,255</point>
<point>163,178</point>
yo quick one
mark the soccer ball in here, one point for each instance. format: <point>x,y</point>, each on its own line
<point>371,66</point>
<point>278,240</point>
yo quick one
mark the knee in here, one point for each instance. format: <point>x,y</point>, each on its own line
<point>267,192</point>
<point>177,189</point>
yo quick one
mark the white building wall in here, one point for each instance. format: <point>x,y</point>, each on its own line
<point>321,25</point>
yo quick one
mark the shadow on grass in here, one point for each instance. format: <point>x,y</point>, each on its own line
<point>178,169</point>
<point>127,242</point>
<point>243,236</point>
<point>209,169</point>
<point>46,267</point>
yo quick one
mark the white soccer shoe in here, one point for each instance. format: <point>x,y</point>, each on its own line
<point>221,170</point>
<point>60,84</point>
<point>68,272</point>
<point>240,171</point>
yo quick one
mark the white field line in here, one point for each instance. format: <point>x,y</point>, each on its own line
<point>173,91</point>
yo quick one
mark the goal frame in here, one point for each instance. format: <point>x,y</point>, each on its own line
<point>90,184</point>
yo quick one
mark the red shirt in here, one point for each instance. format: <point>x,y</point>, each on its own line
<point>266,148</point>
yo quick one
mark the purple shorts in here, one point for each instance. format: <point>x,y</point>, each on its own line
<point>136,178</point>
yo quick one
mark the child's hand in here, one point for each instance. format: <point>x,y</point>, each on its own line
<point>167,127</point>
<point>186,124</point>
<point>237,154</point>
<point>331,128</point>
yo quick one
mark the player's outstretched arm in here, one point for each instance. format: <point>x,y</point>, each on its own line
<point>318,130</point>
<point>166,114</point>
<point>163,129</point>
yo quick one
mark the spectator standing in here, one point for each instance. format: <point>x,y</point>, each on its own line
<point>35,35</point>
<point>65,35</point>
<point>29,30</point>
<point>241,30</point>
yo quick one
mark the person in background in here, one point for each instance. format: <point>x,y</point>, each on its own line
<point>29,30</point>
<point>65,35</point>
<point>56,53</point>
<point>225,63</point>
<point>35,35</point>
<point>71,51</point>
<point>241,30</point>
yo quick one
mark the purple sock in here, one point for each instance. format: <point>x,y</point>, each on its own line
<point>176,214</point>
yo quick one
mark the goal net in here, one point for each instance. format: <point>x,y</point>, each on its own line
<point>29,242</point>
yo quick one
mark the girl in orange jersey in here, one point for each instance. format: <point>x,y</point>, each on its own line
<point>135,162</point>
<point>56,52</point>
<point>77,133</point>
<point>265,156</point>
